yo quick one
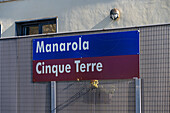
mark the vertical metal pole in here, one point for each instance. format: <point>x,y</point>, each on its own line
<point>53,96</point>
<point>138,94</point>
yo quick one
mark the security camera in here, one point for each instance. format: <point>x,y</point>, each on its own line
<point>114,14</point>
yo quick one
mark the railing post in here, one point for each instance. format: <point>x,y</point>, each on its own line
<point>53,96</point>
<point>138,94</point>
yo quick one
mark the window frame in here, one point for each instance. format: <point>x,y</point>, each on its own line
<point>20,26</point>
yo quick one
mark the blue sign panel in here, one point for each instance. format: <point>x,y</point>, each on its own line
<point>83,46</point>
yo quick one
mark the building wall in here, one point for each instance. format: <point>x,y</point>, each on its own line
<point>80,15</point>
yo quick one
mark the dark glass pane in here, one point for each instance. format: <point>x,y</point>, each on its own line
<point>49,28</point>
<point>33,30</point>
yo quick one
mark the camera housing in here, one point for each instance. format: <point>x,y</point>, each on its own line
<point>114,14</point>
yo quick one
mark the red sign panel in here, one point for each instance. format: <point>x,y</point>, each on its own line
<point>110,67</point>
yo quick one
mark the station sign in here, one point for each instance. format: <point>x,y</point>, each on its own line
<point>86,57</point>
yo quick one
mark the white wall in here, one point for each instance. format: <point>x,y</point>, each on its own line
<point>75,15</point>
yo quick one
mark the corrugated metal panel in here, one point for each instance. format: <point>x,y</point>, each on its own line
<point>20,95</point>
<point>154,68</point>
<point>32,97</point>
<point>8,76</point>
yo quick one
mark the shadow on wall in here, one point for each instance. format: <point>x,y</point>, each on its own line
<point>9,32</point>
<point>131,97</point>
<point>75,3</point>
<point>105,23</point>
<point>48,98</point>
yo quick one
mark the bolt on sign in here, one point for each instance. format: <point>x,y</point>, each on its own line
<point>86,57</point>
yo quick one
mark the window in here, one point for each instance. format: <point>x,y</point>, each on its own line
<point>39,26</point>
<point>3,1</point>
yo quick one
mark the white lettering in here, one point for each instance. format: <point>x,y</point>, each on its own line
<point>79,43</point>
<point>92,67</point>
<point>68,44</point>
<point>87,67</point>
<point>37,68</point>
<point>61,68</point>
<point>40,47</point>
<point>48,48</point>
<point>74,46</point>
<point>48,69</point>
<point>99,66</point>
<point>62,47</point>
<point>54,70</point>
<point>82,67</point>
<point>55,46</point>
<point>86,45</point>
<point>42,68</point>
<point>77,65</point>
<point>68,68</point>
